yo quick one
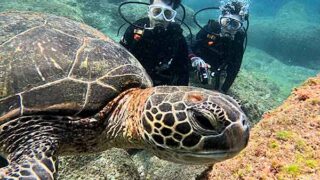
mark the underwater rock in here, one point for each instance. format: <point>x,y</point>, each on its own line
<point>151,167</point>
<point>260,63</point>
<point>117,164</point>
<point>256,94</point>
<point>264,82</point>
<point>292,36</point>
<point>285,144</point>
<point>111,164</point>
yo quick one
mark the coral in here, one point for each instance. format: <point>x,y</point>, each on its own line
<point>285,144</point>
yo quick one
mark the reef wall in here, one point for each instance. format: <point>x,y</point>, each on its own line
<point>285,144</point>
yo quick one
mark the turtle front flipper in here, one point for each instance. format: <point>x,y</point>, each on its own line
<point>31,148</point>
<point>34,160</point>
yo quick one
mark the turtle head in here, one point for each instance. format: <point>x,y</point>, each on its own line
<point>193,126</point>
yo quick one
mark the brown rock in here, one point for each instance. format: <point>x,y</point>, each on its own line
<point>285,144</point>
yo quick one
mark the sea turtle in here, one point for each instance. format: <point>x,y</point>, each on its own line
<point>67,89</point>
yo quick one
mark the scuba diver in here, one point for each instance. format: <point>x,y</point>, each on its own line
<point>158,43</point>
<point>219,46</point>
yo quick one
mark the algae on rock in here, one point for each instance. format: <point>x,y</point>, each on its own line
<point>151,167</point>
<point>285,144</point>
<point>111,164</point>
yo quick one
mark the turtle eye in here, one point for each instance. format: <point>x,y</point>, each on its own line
<point>204,122</point>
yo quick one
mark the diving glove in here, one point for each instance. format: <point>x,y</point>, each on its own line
<point>202,69</point>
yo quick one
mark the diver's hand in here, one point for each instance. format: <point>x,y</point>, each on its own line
<point>198,63</point>
<point>201,69</point>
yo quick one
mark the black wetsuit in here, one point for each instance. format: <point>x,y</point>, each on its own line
<point>220,52</point>
<point>163,53</point>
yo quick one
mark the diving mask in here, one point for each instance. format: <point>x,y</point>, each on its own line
<point>230,22</point>
<point>160,12</point>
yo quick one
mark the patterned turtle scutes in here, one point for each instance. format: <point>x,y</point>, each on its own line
<point>100,62</point>
<point>167,89</point>
<point>15,24</point>
<point>67,89</point>
<point>42,54</point>
<point>193,125</point>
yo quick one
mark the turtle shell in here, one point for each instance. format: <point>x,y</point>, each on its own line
<point>54,65</point>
